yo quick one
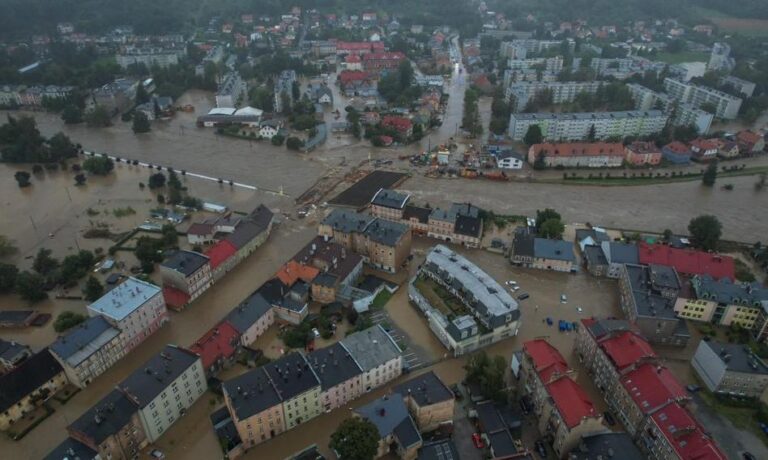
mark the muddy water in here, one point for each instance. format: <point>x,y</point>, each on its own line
<point>653,207</point>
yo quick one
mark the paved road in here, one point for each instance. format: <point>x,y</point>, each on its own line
<point>731,439</point>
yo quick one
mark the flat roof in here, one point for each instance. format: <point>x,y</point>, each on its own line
<point>739,357</point>
<point>84,340</point>
<point>124,298</point>
<point>371,347</point>
<point>362,192</point>
<point>588,115</point>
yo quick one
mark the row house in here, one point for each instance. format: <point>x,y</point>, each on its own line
<point>730,369</point>
<point>35,96</point>
<point>724,302</point>
<point>28,386</point>
<point>339,268</point>
<point>429,400</point>
<point>251,318</point>
<point>185,276</point>
<point>574,155</point>
<point>341,377</point>
<point>688,262</point>
<point>704,149</point>
<point>749,142</point>
<point>672,433</point>
<point>134,307</point>
<point>641,153</point>
<point>217,348</point>
<point>541,253</point>
<point>382,61</point>
<point>397,431</point>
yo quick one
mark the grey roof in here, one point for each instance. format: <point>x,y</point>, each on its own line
<point>523,242</point>
<point>425,389</point>
<point>333,365</point>
<point>603,327</point>
<point>390,199</point>
<point>386,232</point>
<point>553,249</point>
<point>468,225</point>
<point>594,255</point>
<point>185,262</point>
<point>729,293</point>
<point>606,445</point>
<point>251,393</point>
<point>371,347</point>
<point>420,214</point>
<point>597,236</point>
<point>460,325</point>
<point>85,339</point>
<point>325,280</point>
<point>244,234</point>
<point>245,315</point>
<point>488,300</point>
<point>621,253</point>
<point>27,378</point>
<point>261,216</point>
<point>106,418</point>
<point>149,380</point>
<point>502,443</point>
<point>390,415</point>
<point>70,449</point>
<point>739,357</point>
<point>10,351</point>
<point>346,221</point>
<point>291,375</point>
<point>588,115</point>
<point>442,449</point>
<point>647,297</point>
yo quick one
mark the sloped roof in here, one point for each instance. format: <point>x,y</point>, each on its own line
<point>571,401</point>
<point>28,377</point>
<point>219,342</point>
<point>547,361</point>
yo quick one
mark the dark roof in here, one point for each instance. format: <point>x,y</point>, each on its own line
<point>186,262</point>
<point>420,214</point>
<point>273,291</point>
<point>28,377</point>
<point>370,283</point>
<point>291,375</point>
<point>523,243</point>
<point>325,280</point>
<point>406,433</point>
<point>251,393</point>
<point>70,449</point>
<point>443,449</point>
<point>391,417</point>
<point>553,249</point>
<point>386,232</point>
<point>502,443</point>
<point>597,237</point>
<point>10,350</point>
<point>149,380</point>
<point>599,328</point>
<point>489,418</point>
<point>105,418</point>
<point>390,199</point>
<point>244,234</point>
<point>645,290</point>
<point>345,221</point>
<point>594,255</point>
<point>469,226</point>
<point>330,256</point>
<point>623,253</point>
<point>361,193</point>
<point>606,445</point>
<point>425,389</point>
<point>84,339</point>
<point>739,357</point>
<point>261,216</point>
<point>248,312</point>
<point>333,365</point>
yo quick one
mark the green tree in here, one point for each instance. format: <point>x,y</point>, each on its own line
<point>285,101</point>
<point>7,247</point>
<point>263,98</point>
<point>80,179</point>
<point>141,123</point>
<point>552,228</point>
<point>546,214</point>
<point>294,143</point>
<point>61,147</point>
<point>142,96</point>
<point>156,180</point>
<point>356,439</point>
<point>149,251</point>
<point>8,274</point>
<point>22,178</point>
<point>489,373</point>
<point>705,232</point>
<point>98,117</point>
<point>99,165</point>
<point>277,139</point>
<point>592,134</point>
<point>72,114</point>
<point>44,263</point>
<point>93,289</point>
<point>67,320</point>
<point>710,175</point>
<point>533,135</point>
<point>170,237</point>
<point>31,287</point>
<point>295,90</point>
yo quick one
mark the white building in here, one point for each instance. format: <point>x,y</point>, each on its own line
<point>269,128</point>
<point>135,307</point>
<point>562,91</point>
<point>726,106</point>
<point>377,354</point>
<point>745,87</point>
<point>160,57</point>
<point>577,126</point>
<point>164,388</point>
<point>720,57</point>
<point>684,114</point>
<point>510,163</point>
<point>231,89</point>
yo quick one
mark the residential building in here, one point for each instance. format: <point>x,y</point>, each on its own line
<point>255,406</point>
<point>339,269</point>
<point>164,388</point>
<point>377,62</point>
<point>750,142</point>
<point>341,377</point>
<point>358,48</point>
<point>88,350</point>
<point>574,155</point>
<point>270,128</point>
<point>727,149</point>
<point>283,85</point>
<point>720,57</point>
<point>135,308</point>
<point>28,386</point>
<point>562,91</point>
<point>496,424</point>
<point>617,254</point>
<point>403,126</point>
<point>746,88</point>
<point>731,369</point>
<point>672,433</point>
<point>429,400</point>
<point>681,113</point>
<point>688,262</point>
<point>519,48</point>
<point>564,410</point>
<point>442,449</point>
<point>383,244</point>
<point>389,204</point>
<point>149,57</point>
<point>251,318</point>
<point>703,149</point>
<point>606,445</point>
<point>188,273</point>
<point>231,90</point>
<point>377,354</point>
<point>595,261</point>
<point>69,448</point>
<point>676,153</point>
<point>111,427</point>
<point>12,354</point>
<point>298,387</point>
<point>640,153</point>
<point>461,223</point>
<point>510,163</point>
<point>117,96</point>
<point>647,298</point>
<point>490,313</point>
<point>577,126</point>
<point>726,106</point>
<point>541,253</point>
<point>217,347</point>
<point>703,298</point>
<point>395,425</point>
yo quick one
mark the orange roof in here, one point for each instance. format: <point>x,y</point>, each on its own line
<point>704,144</point>
<point>292,271</point>
<point>584,149</point>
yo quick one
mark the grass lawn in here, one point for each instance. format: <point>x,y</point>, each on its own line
<point>381,299</point>
<point>744,418</point>
<point>686,56</point>
<point>439,298</point>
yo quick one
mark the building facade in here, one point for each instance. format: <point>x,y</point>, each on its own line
<point>577,126</point>
<point>731,369</point>
<point>726,106</point>
<point>187,272</point>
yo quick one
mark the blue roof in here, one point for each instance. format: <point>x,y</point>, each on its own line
<point>390,415</point>
<point>553,249</point>
<point>124,298</point>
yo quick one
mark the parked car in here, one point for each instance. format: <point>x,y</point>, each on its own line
<point>515,288</point>
<point>579,309</point>
<point>541,449</point>
<point>157,454</point>
<point>609,418</point>
<point>692,388</point>
<point>477,440</point>
<point>563,298</point>
<point>511,283</point>
<point>523,296</point>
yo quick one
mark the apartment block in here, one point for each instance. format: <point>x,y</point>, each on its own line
<point>149,57</point>
<point>231,89</point>
<point>251,318</point>
<point>395,426</point>
<point>726,106</point>
<point>377,354</point>
<point>683,113</point>
<point>255,407</point>
<point>429,400</point>
<point>562,91</point>
<point>577,126</point>
<point>186,275</point>
<point>723,302</point>
<point>298,386</point>
<point>135,308</point>
<point>341,377</point>
<point>731,369</point>
<point>28,386</point>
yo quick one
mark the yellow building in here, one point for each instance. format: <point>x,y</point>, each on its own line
<point>722,302</point>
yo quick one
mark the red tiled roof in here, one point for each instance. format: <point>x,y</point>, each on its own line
<point>292,271</point>
<point>704,144</point>
<point>347,76</point>
<point>547,361</point>
<point>175,298</point>
<point>678,148</point>
<point>685,435</point>
<point>220,252</point>
<point>359,46</point>
<point>747,137</point>
<point>399,123</point>
<point>352,58</point>
<point>652,386</point>
<point>688,261</point>
<point>581,149</point>
<point>384,56</point>
<point>571,401</point>
<point>640,147</point>
<point>218,343</point>
<point>626,348</point>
